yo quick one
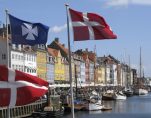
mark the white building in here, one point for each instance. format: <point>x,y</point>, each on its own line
<point>30,63</point>
<point>82,72</point>
<point>22,58</point>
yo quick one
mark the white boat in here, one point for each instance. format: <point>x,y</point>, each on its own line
<point>140,91</point>
<point>95,103</point>
<point>119,96</point>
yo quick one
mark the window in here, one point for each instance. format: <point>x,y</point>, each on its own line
<point>27,57</point>
<point>41,46</point>
<point>27,70</point>
<point>3,56</point>
<point>18,57</point>
<point>12,56</point>
<point>13,66</point>
<point>16,67</point>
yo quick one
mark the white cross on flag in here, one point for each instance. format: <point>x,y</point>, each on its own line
<point>90,26</point>
<point>18,88</point>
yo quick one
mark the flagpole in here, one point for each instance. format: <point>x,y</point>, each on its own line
<point>7,41</point>
<point>70,69</point>
<point>6,11</point>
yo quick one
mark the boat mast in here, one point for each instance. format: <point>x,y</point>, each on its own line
<point>140,63</point>
<point>129,71</point>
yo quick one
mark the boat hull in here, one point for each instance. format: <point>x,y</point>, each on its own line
<point>94,106</point>
<point>140,92</point>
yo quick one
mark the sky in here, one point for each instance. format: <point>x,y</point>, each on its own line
<point>130,20</point>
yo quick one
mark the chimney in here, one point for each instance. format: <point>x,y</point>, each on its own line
<point>63,45</point>
<point>57,39</point>
<point>86,49</point>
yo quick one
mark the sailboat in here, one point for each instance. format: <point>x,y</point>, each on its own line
<point>128,89</point>
<point>139,89</point>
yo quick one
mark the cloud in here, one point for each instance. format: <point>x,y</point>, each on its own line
<point>57,29</point>
<point>117,2</point>
<point>142,2</point>
<point>127,2</point>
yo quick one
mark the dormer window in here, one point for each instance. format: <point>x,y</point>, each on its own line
<point>41,46</point>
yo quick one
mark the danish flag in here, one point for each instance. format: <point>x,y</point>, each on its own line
<point>90,26</point>
<point>18,88</point>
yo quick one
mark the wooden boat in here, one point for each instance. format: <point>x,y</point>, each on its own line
<point>106,108</point>
<point>78,105</point>
<point>108,95</point>
<point>139,88</point>
<point>55,109</point>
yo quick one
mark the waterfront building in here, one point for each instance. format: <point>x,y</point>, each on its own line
<point>134,76</point>
<point>92,71</point>
<point>77,67</point>
<point>41,61</point>
<point>108,70</point>
<point>66,65</point>
<point>51,55</point>
<point>3,50</point>
<point>29,57</point>
<point>88,65</point>
<point>17,58</point>
<point>59,68</point>
<point>64,57</point>
<point>81,63</point>
<point>77,62</point>
<point>101,65</point>
<point>82,72</point>
<point>111,70</point>
<point>101,74</point>
<point>73,69</point>
<point>123,74</point>
<point>119,74</point>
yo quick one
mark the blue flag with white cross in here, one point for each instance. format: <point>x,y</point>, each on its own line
<point>27,33</point>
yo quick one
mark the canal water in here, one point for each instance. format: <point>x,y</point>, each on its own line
<point>133,107</point>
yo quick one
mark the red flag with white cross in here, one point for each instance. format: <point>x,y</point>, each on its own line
<point>18,88</point>
<point>89,26</point>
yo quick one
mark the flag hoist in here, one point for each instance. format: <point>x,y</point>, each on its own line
<point>86,26</point>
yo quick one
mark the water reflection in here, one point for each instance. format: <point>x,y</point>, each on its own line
<point>136,106</point>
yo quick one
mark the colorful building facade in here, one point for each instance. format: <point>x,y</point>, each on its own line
<point>41,61</point>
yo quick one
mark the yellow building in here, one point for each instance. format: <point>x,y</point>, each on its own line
<point>59,68</point>
<point>41,62</point>
<point>62,62</point>
<point>101,75</point>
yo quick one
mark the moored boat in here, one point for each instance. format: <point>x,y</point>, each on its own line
<point>119,96</point>
<point>140,91</point>
<point>95,103</point>
<point>108,95</point>
<point>54,109</point>
<point>128,92</point>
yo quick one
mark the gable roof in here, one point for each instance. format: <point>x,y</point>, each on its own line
<point>58,46</point>
<point>52,52</point>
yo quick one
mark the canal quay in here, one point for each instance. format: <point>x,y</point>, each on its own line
<point>132,107</point>
<point>58,104</point>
